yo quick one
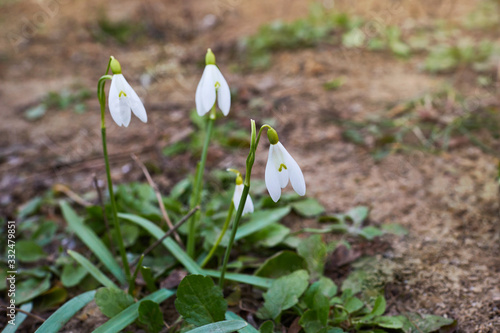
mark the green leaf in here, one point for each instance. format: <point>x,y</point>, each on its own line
<point>18,319</point>
<point>112,301</point>
<point>35,112</point>
<point>311,323</point>
<point>191,266</point>
<point>379,306</point>
<point>30,207</point>
<point>93,270</point>
<point>370,232</point>
<point>283,294</point>
<point>259,220</point>
<point>247,329</point>
<point>93,242</point>
<point>353,304</point>
<point>323,287</point>
<point>353,38</point>
<point>29,251</point>
<point>358,214</point>
<point>389,322</point>
<point>267,327</point>
<point>334,84</point>
<point>335,330</point>
<point>314,251</point>
<point>127,316</point>
<point>282,263</point>
<point>242,278</point>
<point>57,320</point>
<point>199,301</point>
<point>414,322</point>
<point>72,274</point>
<point>394,228</point>
<point>31,288</point>
<point>226,326</point>
<point>308,208</point>
<point>270,236</point>
<point>151,316</point>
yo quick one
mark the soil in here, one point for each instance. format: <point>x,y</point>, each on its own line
<point>448,265</point>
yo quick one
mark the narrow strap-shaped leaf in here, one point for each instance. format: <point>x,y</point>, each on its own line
<point>260,220</point>
<point>93,270</point>
<point>226,326</point>
<point>247,329</point>
<point>189,263</point>
<point>242,278</point>
<point>93,242</point>
<point>9,328</point>
<point>57,320</point>
<point>168,242</point>
<point>127,316</point>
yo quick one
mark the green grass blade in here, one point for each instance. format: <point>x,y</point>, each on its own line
<point>189,263</point>
<point>93,242</point>
<point>168,242</point>
<point>247,329</point>
<point>260,220</point>
<point>242,278</point>
<point>57,320</point>
<point>130,314</point>
<point>93,270</point>
<point>19,319</point>
<point>226,326</point>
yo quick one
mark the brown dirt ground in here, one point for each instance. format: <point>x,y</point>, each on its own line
<point>449,263</point>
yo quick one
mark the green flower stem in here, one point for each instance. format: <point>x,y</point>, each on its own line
<point>237,218</point>
<point>102,101</point>
<point>198,185</point>
<point>246,188</point>
<point>131,285</point>
<point>223,232</point>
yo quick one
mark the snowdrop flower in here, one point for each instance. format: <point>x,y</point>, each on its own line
<point>212,86</point>
<point>238,191</point>
<point>123,99</point>
<point>280,168</point>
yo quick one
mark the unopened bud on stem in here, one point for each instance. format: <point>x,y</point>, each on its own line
<point>115,66</point>
<point>272,135</point>
<point>210,58</point>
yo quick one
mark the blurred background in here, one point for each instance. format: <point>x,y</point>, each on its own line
<point>390,104</point>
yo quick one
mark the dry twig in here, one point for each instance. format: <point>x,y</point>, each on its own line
<point>158,197</point>
<point>167,234</point>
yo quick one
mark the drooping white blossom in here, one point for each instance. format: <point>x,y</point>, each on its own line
<point>212,86</point>
<point>238,191</point>
<point>281,168</point>
<point>123,100</point>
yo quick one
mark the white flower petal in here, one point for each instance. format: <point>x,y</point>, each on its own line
<point>125,113</point>
<point>283,177</point>
<point>248,205</point>
<point>208,87</point>
<point>199,100</point>
<point>114,102</point>
<point>223,94</point>
<point>238,190</point>
<point>272,177</point>
<point>134,101</point>
<point>296,176</point>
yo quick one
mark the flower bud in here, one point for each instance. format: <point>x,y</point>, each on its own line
<point>272,135</point>
<point>115,66</point>
<point>239,180</point>
<point>210,58</point>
